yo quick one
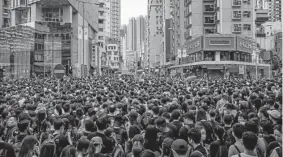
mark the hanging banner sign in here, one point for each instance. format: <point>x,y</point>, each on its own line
<point>80,31</point>
<point>85,34</point>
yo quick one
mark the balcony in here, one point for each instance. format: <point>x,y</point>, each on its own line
<point>187,35</point>
<point>237,28</point>
<point>209,9</point>
<point>210,31</point>
<point>187,2</point>
<point>236,3</point>
<point>209,21</point>
<point>237,16</point>
<point>260,34</point>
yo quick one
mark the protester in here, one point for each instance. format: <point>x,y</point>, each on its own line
<point>148,117</point>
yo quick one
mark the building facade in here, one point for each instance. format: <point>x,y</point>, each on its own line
<point>115,19</point>
<point>275,10</point>
<point>112,56</point>
<point>155,31</point>
<point>219,16</point>
<point>5,15</point>
<point>221,55</point>
<point>131,34</point>
<point>63,29</point>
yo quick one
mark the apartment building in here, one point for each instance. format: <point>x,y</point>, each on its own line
<point>5,20</point>
<point>113,56</point>
<point>219,16</point>
<point>115,19</point>
<point>140,28</point>
<point>155,30</point>
<point>132,35</point>
<point>63,29</point>
<point>275,10</point>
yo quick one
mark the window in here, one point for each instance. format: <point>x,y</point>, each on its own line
<point>237,27</point>
<point>100,21</point>
<point>236,2</point>
<point>208,7</point>
<point>100,37</point>
<point>247,27</point>
<point>236,14</point>
<point>247,2</point>
<point>100,29</point>
<point>208,19</point>
<point>247,14</point>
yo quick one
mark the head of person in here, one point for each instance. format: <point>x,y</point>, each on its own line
<point>48,149</point>
<point>175,115</point>
<point>252,126</point>
<point>28,147</point>
<point>194,136</point>
<point>147,153</point>
<point>83,145</point>
<point>8,149</point>
<point>69,151</point>
<point>228,119</point>
<point>160,123</point>
<point>12,121</point>
<point>249,140</point>
<point>101,124</point>
<point>201,115</point>
<point>166,146</point>
<point>179,148</point>
<point>237,130</point>
<point>95,146</point>
<point>203,132</point>
<point>150,133</point>
<point>274,115</point>
<point>58,125</point>
<point>278,133</point>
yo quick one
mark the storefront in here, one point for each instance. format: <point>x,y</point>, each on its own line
<point>215,55</point>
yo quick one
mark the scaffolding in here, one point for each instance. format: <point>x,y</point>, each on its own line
<point>16,46</point>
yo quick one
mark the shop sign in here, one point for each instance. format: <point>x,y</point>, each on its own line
<point>241,69</point>
<point>194,45</point>
<point>219,42</point>
<point>246,45</point>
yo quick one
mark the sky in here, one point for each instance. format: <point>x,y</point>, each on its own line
<point>132,8</point>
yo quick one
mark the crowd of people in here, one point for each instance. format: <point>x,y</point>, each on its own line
<point>148,117</point>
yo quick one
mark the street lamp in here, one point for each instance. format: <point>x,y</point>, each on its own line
<point>83,2</point>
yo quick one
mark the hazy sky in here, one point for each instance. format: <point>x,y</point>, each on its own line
<point>132,8</point>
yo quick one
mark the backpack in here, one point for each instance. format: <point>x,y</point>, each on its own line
<point>222,151</point>
<point>118,151</point>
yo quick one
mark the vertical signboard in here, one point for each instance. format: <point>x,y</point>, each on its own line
<point>80,33</point>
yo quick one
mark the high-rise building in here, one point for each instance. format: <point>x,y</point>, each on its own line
<point>131,34</point>
<point>115,19</point>
<point>5,13</point>
<point>140,25</point>
<point>155,31</point>
<point>64,32</point>
<point>275,10</point>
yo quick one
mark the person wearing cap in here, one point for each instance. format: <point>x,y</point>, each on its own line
<point>274,116</point>
<point>95,147</point>
<point>179,148</point>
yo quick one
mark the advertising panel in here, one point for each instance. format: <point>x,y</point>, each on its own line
<point>219,43</point>
<point>195,45</point>
<point>244,45</point>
